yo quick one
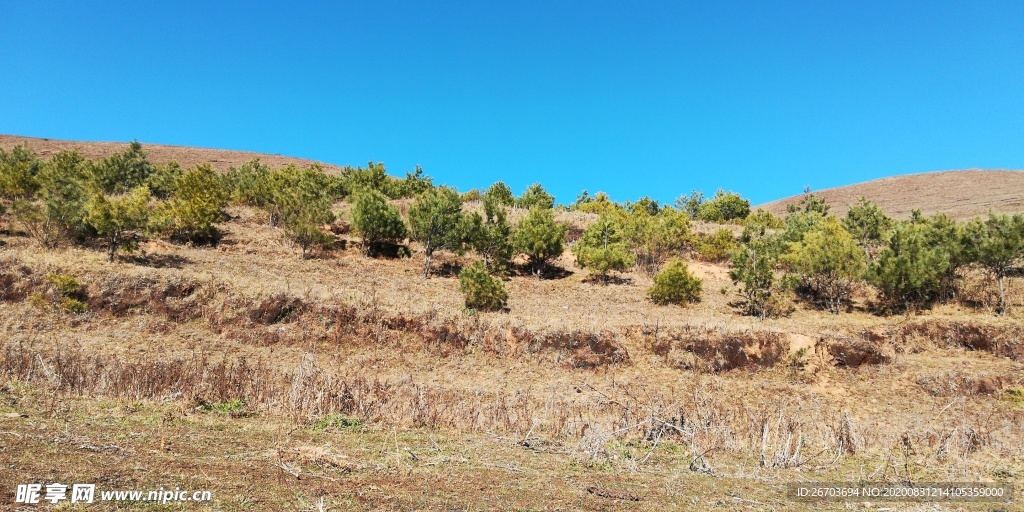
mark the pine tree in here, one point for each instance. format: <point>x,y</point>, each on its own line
<point>540,238</point>
<point>491,235</point>
<point>376,220</point>
<point>122,172</point>
<point>436,221</point>
<point>997,245</point>
<point>602,248</point>
<point>114,217</point>
<point>194,208</point>
<point>482,291</point>
<point>828,262</point>
<point>674,284</point>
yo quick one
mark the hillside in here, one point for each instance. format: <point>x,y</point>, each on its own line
<point>349,382</point>
<point>219,159</point>
<point>959,194</point>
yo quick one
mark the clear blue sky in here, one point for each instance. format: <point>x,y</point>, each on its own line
<point>633,98</point>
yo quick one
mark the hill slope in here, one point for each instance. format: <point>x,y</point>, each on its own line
<point>960,194</point>
<point>219,159</point>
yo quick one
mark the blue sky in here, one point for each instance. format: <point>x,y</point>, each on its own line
<point>632,98</point>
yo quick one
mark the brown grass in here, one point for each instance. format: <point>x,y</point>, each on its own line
<point>959,194</point>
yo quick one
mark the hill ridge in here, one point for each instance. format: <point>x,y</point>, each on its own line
<point>960,194</point>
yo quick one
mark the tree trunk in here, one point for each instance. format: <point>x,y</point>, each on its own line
<point>426,262</point>
<point>1002,295</point>
<point>113,247</point>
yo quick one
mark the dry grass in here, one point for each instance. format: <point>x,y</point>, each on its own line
<point>959,194</point>
<point>219,159</point>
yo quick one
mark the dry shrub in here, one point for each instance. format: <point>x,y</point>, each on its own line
<point>852,352</point>
<point>176,298</point>
<point>716,350</point>
<point>1000,340</point>
<point>584,349</point>
<point>957,383</point>
<point>276,308</point>
<point>17,281</point>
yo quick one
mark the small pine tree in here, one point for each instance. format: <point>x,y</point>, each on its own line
<point>114,217</point>
<point>764,218</point>
<point>18,170</point>
<point>655,238</point>
<point>997,245</point>
<point>122,172</point>
<point>867,223</point>
<point>540,238</point>
<point>828,262</point>
<point>303,200</point>
<point>691,204</point>
<point>196,205</point>
<point>436,221</point>
<point>810,203</point>
<point>909,271</point>
<point>674,284</point>
<point>715,247</point>
<point>753,267</point>
<point>249,184</point>
<point>535,197</point>
<point>491,236</point>
<point>724,207</point>
<point>482,291</point>
<point>376,220</point>
<point>602,248</point>
<point>62,197</point>
<point>500,195</point>
<point>163,181</point>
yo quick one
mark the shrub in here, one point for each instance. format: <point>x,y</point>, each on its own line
<point>867,223</point>
<point>655,238</point>
<point>482,291</point>
<point>535,197</point>
<point>18,170</point>
<point>376,220</point>
<point>764,218</point>
<point>336,422</point>
<point>602,248</point>
<point>122,172</point>
<point>675,284</point>
<point>753,267</point>
<point>810,203</point>
<point>114,217</point>
<point>196,205</point>
<point>540,238</point>
<point>828,262</point>
<point>725,206</point>
<point>500,194</point>
<point>690,204</point>
<point>65,294</point>
<point>909,271</point>
<point>715,247</point>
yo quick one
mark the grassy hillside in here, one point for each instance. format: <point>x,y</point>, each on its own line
<point>345,382</point>
<point>960,194</point>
